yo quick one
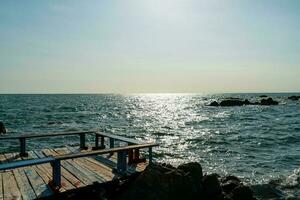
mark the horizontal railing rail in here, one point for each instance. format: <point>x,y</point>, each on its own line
<point>98,135</point>
<point>55,161</point>
<point>27,136</point>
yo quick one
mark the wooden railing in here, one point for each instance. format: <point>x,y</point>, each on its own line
<point>82,136</point>
<point>132,150</point>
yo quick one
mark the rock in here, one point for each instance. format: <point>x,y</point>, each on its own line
<point>242,193</point>
<point>267,102</point>
<point>266,191</point>
<point>247,102</point>
<point>193,168</point>
<point>2,128</point>
<point>159,182</point>
<point>229,183</point>
<point>211,185</point>
<point>232,102</point>
<point>214,103</point>
<point>263,96</point>
<point>294,98</point>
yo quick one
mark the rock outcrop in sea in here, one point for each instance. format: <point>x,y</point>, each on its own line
<point>294,98</point>
<point>240,102</point>
<point>2,128</point>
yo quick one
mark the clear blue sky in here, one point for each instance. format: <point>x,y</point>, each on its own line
<point>132,46</point>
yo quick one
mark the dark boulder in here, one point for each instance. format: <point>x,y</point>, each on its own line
<point>267,191</point>
<point>267,102</point>
<point>211,185</point>
<point>232,102</point>
<point>160,182</point>
<point>229,183</point>
<point>294,98</point>
<point>263,96</point>
<point>214,103</point>
<point>194,169</point>
<point>2,128</point>
<point>242,193</point>
<point>247,102</point>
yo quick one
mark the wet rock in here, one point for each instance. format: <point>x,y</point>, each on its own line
<point>160,182</point>
<point>229,183</point>
<point>193,168</point>
<point>294,98</point>
<point>263,96</point>
<point>266,191</point>
<point>2,128</point>
<point>211,185</point>
<point>267,102</point>
<point>232,102</point>
<point>242,193</point>
<point>214,103</point>
<point>247,102</point>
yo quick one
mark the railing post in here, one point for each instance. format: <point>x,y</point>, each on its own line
<point>23,147</point>
<point>130,155</point>
<point>121,161</point>
<point>150,155</point>
<point>96,142</point>
<point>111,142</point>
<point>82,141</point>
<point>56,174</point>
<point>136,155</point>
<point>102,143</point>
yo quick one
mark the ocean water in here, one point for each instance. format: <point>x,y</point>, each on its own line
<point>257,143</point>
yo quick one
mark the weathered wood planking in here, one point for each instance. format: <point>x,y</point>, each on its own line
<point>24,185</point>
<point>40,188</point>
<point>32,181</point>
<point>88,169</point>
<point>69,166</point>
<point>10,188</point>
<point>105,171</point>
<point>82,172</point>
<point>106,164</point>
<point>66,174</point>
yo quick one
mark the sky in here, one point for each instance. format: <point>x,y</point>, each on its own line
<point>149,46</point>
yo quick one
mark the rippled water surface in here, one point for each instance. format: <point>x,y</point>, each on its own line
<point>257,143</point>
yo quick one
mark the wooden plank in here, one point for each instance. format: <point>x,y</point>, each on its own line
<point>39,154</point>
<point>67,177</point>
<point>10,188</point>
<point>12,157</point>
<point>1,188</point>
<point>26,190</point>
<point>70,169</point>
<point>89,171</point>
<point>105,170</point>
<point>40,188</point>
<point>78,171</point>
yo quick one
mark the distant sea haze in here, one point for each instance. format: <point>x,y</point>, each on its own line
<point>257,143</point>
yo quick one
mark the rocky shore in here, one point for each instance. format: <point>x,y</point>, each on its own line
<point>163,181</point>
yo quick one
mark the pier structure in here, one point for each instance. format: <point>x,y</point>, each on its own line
<point>40,173</point>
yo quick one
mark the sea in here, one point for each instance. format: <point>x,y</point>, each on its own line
<point>259,144</point>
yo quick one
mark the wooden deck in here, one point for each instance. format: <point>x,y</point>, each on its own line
<point>32,182</point>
